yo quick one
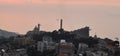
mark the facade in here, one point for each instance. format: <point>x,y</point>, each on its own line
<point>46,44</point>
<point>40,46</point>
<point>101,44</point>
<point>82,47</point>
<point>24,40</point>
<point>66,48</point>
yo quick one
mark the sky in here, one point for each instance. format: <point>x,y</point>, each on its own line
<point>102,16</point>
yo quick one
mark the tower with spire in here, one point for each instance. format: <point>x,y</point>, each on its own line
<point>61,21</point>
<point>37,29</point>
<point>61,30</point>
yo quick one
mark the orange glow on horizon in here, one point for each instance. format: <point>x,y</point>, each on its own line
<point>22,15</point>
<point>63,2</point>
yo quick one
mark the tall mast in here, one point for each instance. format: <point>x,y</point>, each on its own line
<point>61,21</point>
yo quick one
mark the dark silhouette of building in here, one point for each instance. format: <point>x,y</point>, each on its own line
<point>36,30</point>
<point>61,30</point>
<point>57,35</point>
<point>82,33</point>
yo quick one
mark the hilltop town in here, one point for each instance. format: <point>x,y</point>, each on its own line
<point>58,43</point>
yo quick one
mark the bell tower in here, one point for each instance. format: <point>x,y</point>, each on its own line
<point>38,27</point>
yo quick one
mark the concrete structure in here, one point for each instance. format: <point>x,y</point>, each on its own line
<point>82,47</point>
<point>61,30</point>
<point>40,46</point>
<point>24,40</point>
<point>101,43</point>
<point>46,44</point>
<point>66,48</point>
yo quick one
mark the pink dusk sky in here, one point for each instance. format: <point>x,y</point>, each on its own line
<point>102,16</point>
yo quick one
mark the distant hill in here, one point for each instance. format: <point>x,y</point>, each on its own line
<point>7,34</point>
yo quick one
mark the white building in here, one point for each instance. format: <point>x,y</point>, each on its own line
<point>46,44</point>
<point>66,48</point>
<point>40,46</point>
<point>82,47</point>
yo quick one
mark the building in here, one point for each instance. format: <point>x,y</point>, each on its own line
<point>82,47</point>
<point>24,40</point>
<point>66,48</point>
<point>40,46</point>
<point>81,33</point>
<point>46,44</point>
<point>61,30</point>
<point>101,43</point>
<point>96,53</point>
<point>36,30</point>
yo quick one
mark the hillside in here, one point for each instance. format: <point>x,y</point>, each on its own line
<point>7,34</point>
